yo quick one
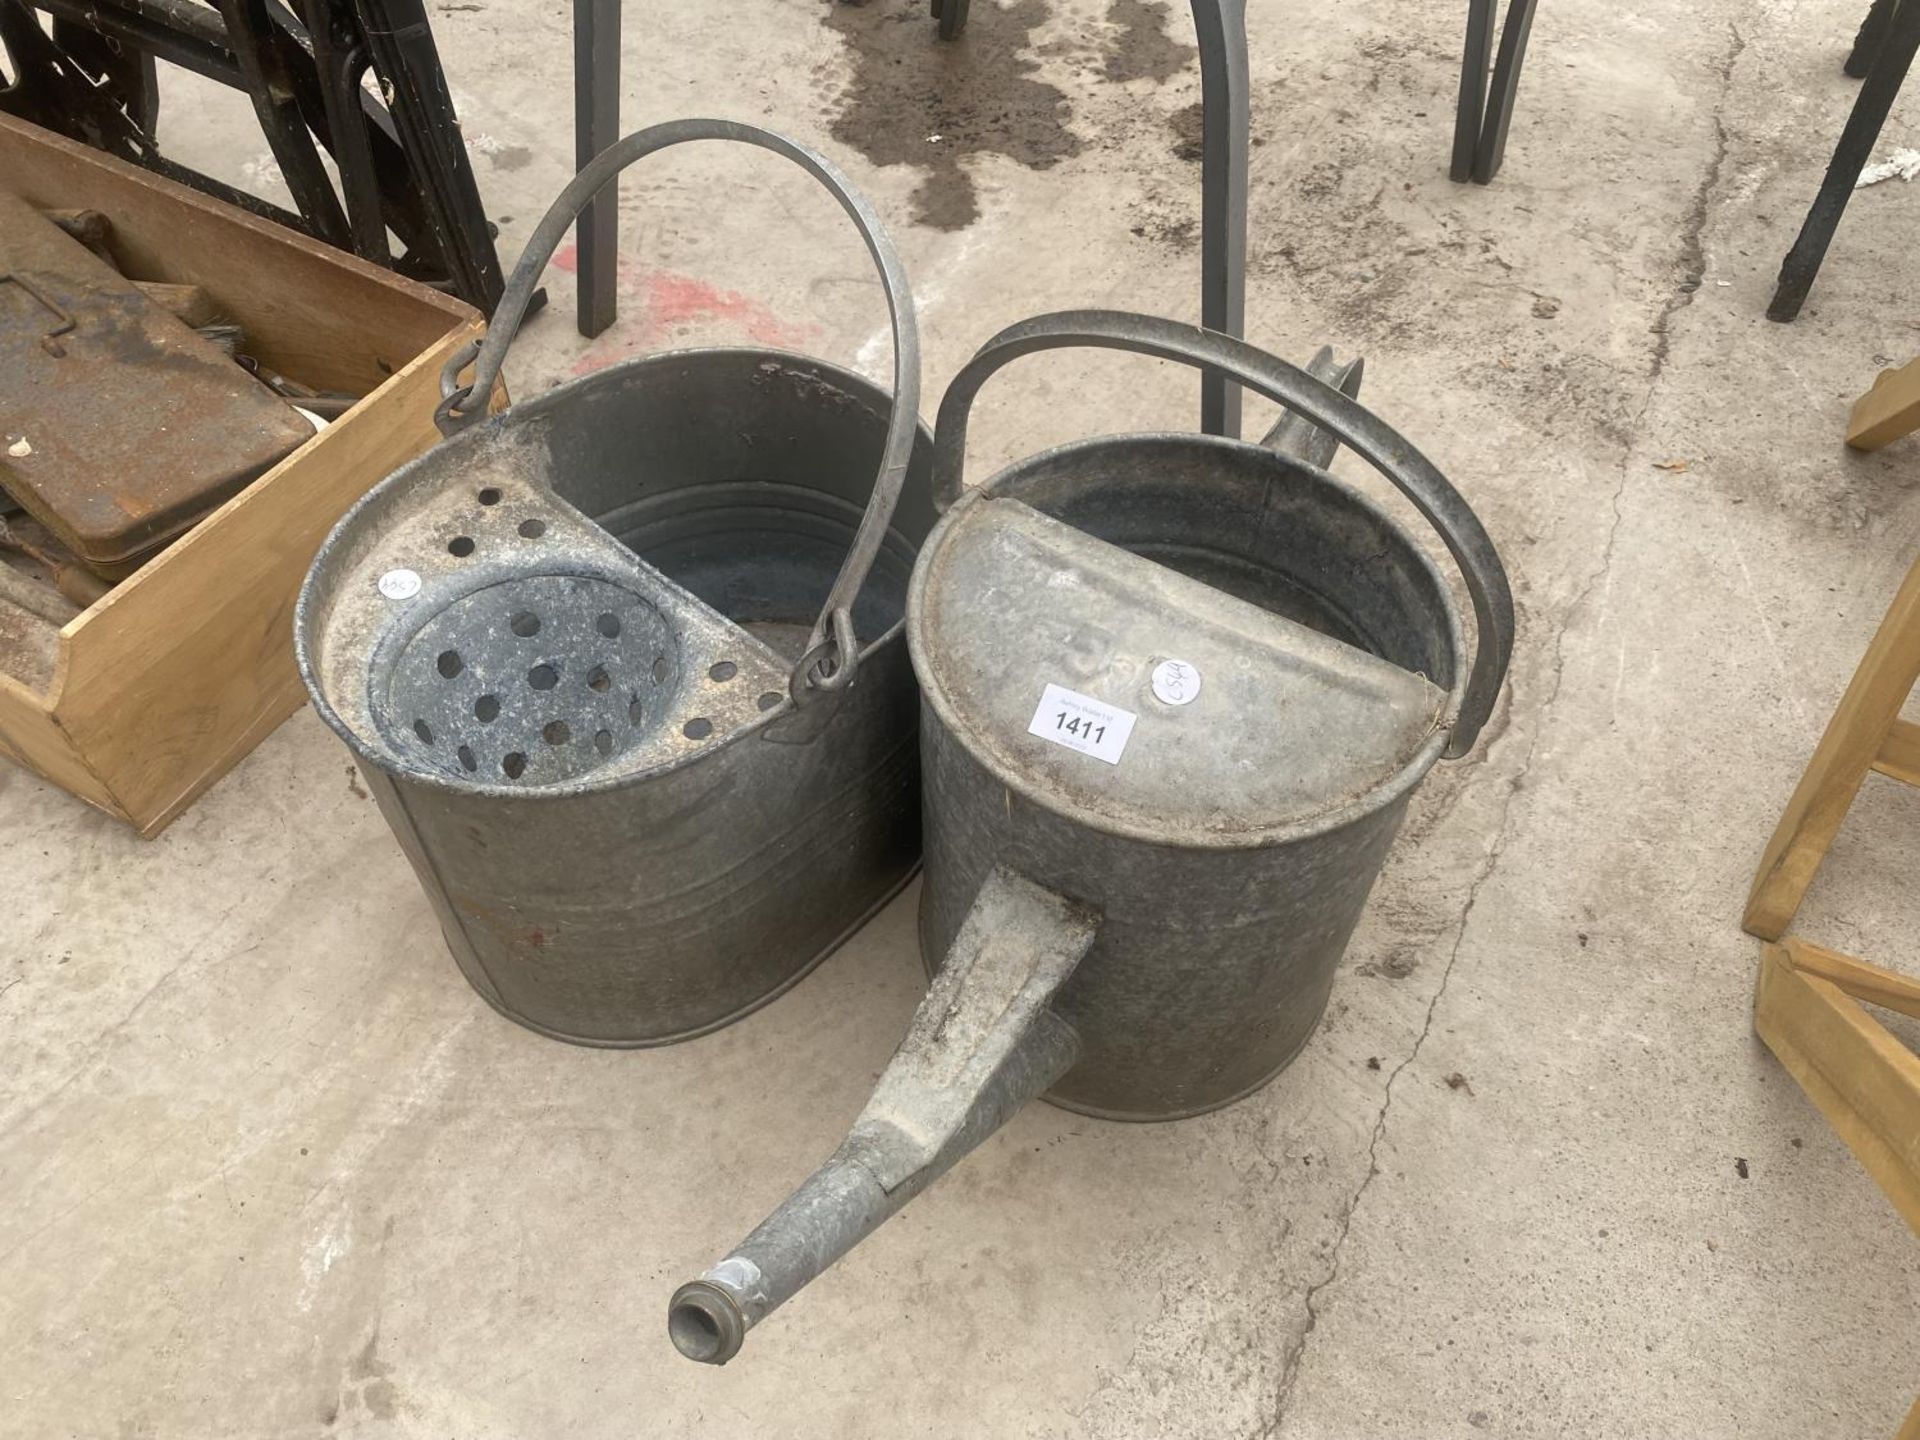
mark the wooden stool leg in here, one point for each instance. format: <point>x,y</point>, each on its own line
<point>1911,1430</point>
<point>1889,410</point>
<point>1863,1080</point>
<point>1865,731</point>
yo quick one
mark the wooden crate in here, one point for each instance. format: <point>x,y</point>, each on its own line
<point>179,671</point>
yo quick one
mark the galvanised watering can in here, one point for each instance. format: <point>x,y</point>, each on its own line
<point>1176,693</point>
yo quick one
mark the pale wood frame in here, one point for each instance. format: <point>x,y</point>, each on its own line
<point>1890,409</point>
<point>1866,733</point>
<point>1806,1007</point>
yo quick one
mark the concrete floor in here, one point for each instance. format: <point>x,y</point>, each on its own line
<point>269,1168</point>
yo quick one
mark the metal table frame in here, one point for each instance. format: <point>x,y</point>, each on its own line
<point>400,161</point>
<point>596,125</point>
<point>1486,111</point>
<point>1480,141</point>
<point>1883,53</point>
<point>1222,32</point>
<point>1221,28</point>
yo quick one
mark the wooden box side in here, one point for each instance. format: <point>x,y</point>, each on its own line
<point>30,736</point>
<point>164,684</point>
<point>185,667</point>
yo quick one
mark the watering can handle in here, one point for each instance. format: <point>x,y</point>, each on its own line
<point>831,653</point>
<point>1356,427</point>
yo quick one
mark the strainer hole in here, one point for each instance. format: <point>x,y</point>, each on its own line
<point>608,624</point>
<point>598,679</point>
<point>514,763</point>
<point>486,709</point>
<point>543,677</point>
<point>725,670</point>
<point>449,664</point>
<point>460,545</point>
<point>698,728</point>
<point>467,762</point>
<point>533,529</point>
<point>636,712</point>
<point>603,741</point>
<point>659,669</point>
<point>556,732</point>
<point>771,699</point>
<point>489,496</point>
<point>424,731</point>
<point>525,624</point>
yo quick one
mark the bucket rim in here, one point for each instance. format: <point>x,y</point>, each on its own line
<point>309,599</point>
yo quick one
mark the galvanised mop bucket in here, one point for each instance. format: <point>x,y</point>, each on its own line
<point>1177,690</point>
<point>624,663</point>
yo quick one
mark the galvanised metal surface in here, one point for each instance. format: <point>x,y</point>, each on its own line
<point>1176,693</point>
<point>962,1071</point>
<point>625,663</point>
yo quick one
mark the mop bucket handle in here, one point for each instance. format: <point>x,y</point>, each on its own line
<point>832,652</point>
<point>1355,426</point>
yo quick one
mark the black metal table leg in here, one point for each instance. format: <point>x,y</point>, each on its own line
<point>1850,156</point>
<point>1873,34</point>
<point>1222,29</point>
<point>1492,149</point>
<point>340,64</point>
<point>952,15</point>
<point>400,44</point>
<point>1485,113</point>
<point>1475,63</point>
<point>1221,26</point>
<point>596,125</point>
<point>263,65</point>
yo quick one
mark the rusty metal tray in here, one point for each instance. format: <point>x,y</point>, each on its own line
<point>122,426</point>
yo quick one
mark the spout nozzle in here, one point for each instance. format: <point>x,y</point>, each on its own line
<point>704,1323</point>
<point>981,1045</point>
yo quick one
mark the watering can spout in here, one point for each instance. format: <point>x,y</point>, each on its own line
<point>981,1045</point>
<point>1294,434</point>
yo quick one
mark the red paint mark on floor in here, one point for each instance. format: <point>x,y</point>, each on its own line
<point>659,308</point>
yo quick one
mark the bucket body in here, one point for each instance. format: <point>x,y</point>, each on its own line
<point>1216,949</point>
<point>628,904</point>
<point>625,663</point>
<point>658,911</point>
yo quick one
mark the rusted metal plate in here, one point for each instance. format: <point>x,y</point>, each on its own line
<point>122,427</point>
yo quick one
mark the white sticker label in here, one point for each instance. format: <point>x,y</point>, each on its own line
<point>1175,682</point>
<point>1082,723</point>
<point>400,584</point>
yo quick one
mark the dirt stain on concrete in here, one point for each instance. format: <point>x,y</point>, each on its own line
<point>1188,126</point>
<point>1145,51</point>
<point>366,1389</point>
<point>909,98</point>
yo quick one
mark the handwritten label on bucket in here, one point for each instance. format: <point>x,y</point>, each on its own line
<point>1082,723</point>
